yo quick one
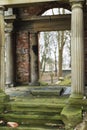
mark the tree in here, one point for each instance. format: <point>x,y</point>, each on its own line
<point>61,42</point>
<point>52,41</point>
<point>45,51</point>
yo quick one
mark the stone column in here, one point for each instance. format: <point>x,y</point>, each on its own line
<point>77,50</point>
<point>2,49</point>
<point>9,55</point>
<point>34,64</point>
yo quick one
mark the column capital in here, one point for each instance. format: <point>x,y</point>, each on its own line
<point>2,8</point>
<point>76,3</point>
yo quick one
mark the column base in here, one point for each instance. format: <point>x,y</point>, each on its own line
<point>9,85</point>
<point>72,113</point>
<point>76,96</point>
<point>71,116</point>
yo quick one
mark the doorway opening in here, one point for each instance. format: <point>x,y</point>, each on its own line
<point>55,53</point>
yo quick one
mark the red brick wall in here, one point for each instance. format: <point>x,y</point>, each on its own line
<point>22,57</point>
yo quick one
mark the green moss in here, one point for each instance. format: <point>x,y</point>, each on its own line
<point>3,100</point>
<point>28,128</point>
<point>1,108</point>
<point>38,104</point>
<point>1,91</point>
<point>61,100</point>
<point>31,119</point>
<point>43,83</point>
<point>65,82</point>
<point>71,116</point>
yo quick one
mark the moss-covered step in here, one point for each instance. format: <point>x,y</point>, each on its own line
<point>31,119</point>
<point>40,101</point>
<point>23,107</point>
<point>53,100</point>
<point>31,128</point>
<point>47,92</point>
<point>53,105</point>
<point>38,110</point>
<point>3,100</point>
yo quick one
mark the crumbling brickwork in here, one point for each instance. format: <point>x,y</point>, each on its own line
<point>22,57</point>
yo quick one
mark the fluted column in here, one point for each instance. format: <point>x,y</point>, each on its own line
<point>2,49</point>
<point>9,55</point>
<point>34,64</point>
<point>77,50</point>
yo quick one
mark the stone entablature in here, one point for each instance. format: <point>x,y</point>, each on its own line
<point>40,8</point>
<point>24,2</point>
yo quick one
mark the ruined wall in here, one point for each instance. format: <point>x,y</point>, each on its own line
<point>23,74</point>
<point>22,57</point>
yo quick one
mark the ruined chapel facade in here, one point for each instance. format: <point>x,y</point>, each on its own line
<point>19,34</point>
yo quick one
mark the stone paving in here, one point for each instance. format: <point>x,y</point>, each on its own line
<point>28,90</point>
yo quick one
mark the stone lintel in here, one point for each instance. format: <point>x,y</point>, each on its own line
<point>50,18</point>
<point>76,1</point>
<point>25,2</point>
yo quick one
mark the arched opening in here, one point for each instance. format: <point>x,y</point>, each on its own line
<point>55,52</point>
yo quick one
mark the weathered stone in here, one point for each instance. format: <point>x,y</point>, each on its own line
<point>9,56</point>
<point>71,116</point>
<point>77,49</point>
<point>34,58</point>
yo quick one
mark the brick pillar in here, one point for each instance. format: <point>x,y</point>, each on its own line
<point>9,55</point>
<point>34,65</point>
<point>2,49</point>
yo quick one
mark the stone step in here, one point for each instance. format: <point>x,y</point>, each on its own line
<point>41,105</point>
<point>31,119</point>
<point>31,128</point>
<point>35,91</point>
<point>34,112</point>
<point>29,91</point>
<point>49,91</point>
<point>21,107</point>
